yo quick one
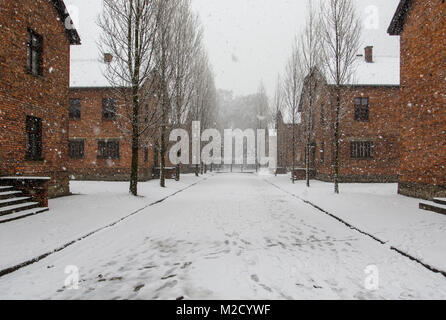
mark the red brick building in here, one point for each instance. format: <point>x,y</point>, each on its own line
<point>369,148</point>
<point>99,143</point>
<point>422,27</point>
<point>35,37</point>
<point>285,145</point>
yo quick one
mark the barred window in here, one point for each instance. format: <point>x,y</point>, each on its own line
<point>76,149</point>
<point>34,53</point>
<point>362,109</point>
<point>34,139</point>
<point>108,149</point>
<point>108,109</point>
<point>75,109</point>
<point>361,150</point>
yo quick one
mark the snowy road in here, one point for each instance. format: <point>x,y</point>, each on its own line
<point>233,236</point>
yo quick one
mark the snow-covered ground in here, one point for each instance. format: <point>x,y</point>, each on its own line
<point>232,236</point>
<point>378,210</point>
<point>93,206</point>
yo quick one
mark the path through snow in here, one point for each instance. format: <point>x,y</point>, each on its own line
<point>233,236</point>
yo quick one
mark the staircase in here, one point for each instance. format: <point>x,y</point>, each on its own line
<point>14,205</point>
<point>438,205</point>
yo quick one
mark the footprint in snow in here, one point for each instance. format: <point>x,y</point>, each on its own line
<point>138,287</point>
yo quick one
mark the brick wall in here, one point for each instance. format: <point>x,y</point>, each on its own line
<point>423,100</point>
<point>285,145</point>
<point>23,94</point>
<point>92,127</point>
<point>381,129</point>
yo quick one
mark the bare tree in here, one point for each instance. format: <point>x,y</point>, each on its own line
<point>340,35</point>
<point>187,42</point>
<point>165,12</point>
<point>292,89</point>
<point>310,54</point>
<point>277,105</point>
<point>204,103</point>
<point>128,35</point>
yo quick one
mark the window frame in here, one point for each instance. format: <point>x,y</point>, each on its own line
<point>108,149</point>
<point>322,110</point>
<point>107,113</point>
<point>76,114</point>
<point>362,150</point>
<point>362,110</point>
<point>146,154</point>
<point>322,152</point>
<point>81,150</point>
<point>31,48</point>
<point>34,151</point>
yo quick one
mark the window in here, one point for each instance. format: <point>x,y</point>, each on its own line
<point>322,114</point>
<point>75,109</point>
<point>146,114</point>
<point>322,152</point>
<point>108,149</point>
<point>146,154</point>
<point>34,53</point>
<point>34,138</point>
<point>108,109</point>
<point>362,109</point>
<point>312,119</point>
<point>361,150</point>
<point>76,149</point>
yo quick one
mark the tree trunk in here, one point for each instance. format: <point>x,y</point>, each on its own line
<point>307,156</point>
<point>177,172</point>
<point>163,156</point>
<point>293,153</point>
<point>134,166</point>
<point>336,142</point>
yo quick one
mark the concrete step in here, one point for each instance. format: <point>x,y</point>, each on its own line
<point>13,201</point>
<point>18,207</point>
<point>434,207</point>
<point>9,194</point>
<point>22,214</point>
<point>5,188</point>
<point>440,201</point>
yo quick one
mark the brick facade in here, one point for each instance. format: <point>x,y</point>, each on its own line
<point>285,145</point>
<point>44,96</point>
<point>92,128</point>
<point>422,27</point>
<point>380,130</point>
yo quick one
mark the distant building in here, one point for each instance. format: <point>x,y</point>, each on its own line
<point>35,37</point>
<point>99,130</point>
<point>369,126</point>
<point>422,110</point>
<point>285,145</point>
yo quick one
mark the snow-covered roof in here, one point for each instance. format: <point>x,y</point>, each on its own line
<point>85,73</point>
<point>87,66</point>
<point>65,18</point>
<point>383,71</point>
<point>397,23</point>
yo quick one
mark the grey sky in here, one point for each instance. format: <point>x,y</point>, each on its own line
<point>250,40</point>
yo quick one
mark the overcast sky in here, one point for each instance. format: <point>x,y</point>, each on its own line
<point>249,41</point>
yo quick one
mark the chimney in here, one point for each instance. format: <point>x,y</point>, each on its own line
<point>369,54</point>
<point>108,57</point>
